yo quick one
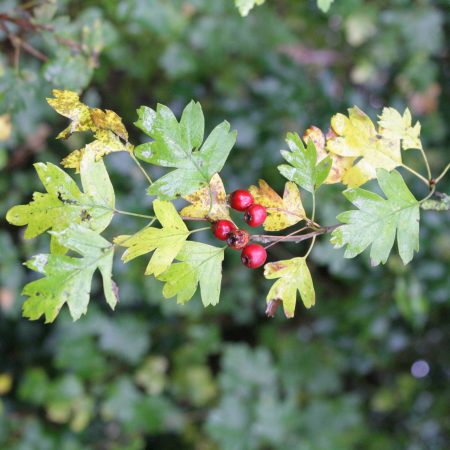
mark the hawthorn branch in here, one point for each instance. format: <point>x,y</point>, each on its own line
<point>267,238</point>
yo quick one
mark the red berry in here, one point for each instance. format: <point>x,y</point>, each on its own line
<point>222,228</point>
<point>255,215</point>
<point>241,199</point>
<point>238,239</point>
<point>253,256</point>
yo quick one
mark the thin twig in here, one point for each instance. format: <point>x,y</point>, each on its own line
<point>136,161</point>
<point>267,238</point>
<point>421,177</point>
<point>442,174</point>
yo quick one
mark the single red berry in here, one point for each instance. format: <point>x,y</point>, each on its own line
<point>222,228</point>
<point>253,256</point>
<point>237,239</point>
<point>241,199</point>
<point>255,215</point>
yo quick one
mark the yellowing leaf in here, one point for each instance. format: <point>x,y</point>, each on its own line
<point>109,131</point>
<point>201,202</point>
<point>5,127</point>
<point>395,126</point>
<point>5,383</point>
<point>166,242</point>
<point>281,212</point>
<point>357,137</point>
<point>293,275</point>
<point>339,164</point>
<point>64,204</point>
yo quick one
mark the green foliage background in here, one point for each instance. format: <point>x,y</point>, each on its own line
<point>156,375</point>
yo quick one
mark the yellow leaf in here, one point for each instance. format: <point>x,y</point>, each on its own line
<point>201,202</point>
<point>357,137</point>
<point>281,212</point>
<point>339,164</point>
<point>109,131</point>
<point>395,126</point>
<point>293,275</point>
<point>166,242</point>
<point>5,127</point>
<point>5,383</point>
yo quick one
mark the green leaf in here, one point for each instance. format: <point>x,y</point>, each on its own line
<point>245,6</point>
<point>293,276</point>
<point>324,5</point>
<point>166,242</point>
<point>179,146</point>
<point>64,204</point>
<point>377,220</point>
<point>68,279</point>
<point>200,264</point>
<point>302,168</point>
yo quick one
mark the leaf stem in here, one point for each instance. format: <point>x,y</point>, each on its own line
<point>313,214</point>
<point>442,174</point>
<point>146,175</point>
<point>433,188</point>
<point>199,229</point>
<point>417,174</point>
<point>127,213</point>
<point>427,165</point>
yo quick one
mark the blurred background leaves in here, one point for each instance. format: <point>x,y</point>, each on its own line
<point>367,367</point>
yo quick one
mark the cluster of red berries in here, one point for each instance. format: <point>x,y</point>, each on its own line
<point>253,255</point>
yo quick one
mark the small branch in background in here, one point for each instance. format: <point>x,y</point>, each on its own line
<point>34,143</point>
<point>26,24</point>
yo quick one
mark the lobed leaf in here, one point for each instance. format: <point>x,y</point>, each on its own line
<point>357,137</point>
<point>293,275</point>
<point>245,6</point>
<point>109,131</point>
<point>166,242</point>
<point>64,204</point>
<point>303,167</point>
<point>324,5</point>
<point>378,221</point>
<point>339,164</point>
<point>281,212</point>
<point>68,279</point>
<point>393,125</point>
<point>200,264</point>
<point>209,202</point>
<point>179,146</point>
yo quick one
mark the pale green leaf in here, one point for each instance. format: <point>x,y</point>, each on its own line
<point>324,5</point>
<point>377,221</point>
<point>166,242</point>
<point>68,279</point>
<point>179,146</point>
<point>293,275</point>
<point>393,125</point>
<point>245,6</point>
<point>200,264</point>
